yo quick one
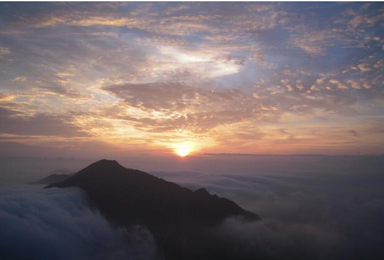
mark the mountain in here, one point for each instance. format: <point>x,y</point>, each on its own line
<point>176,216</point>
<point>55,176</point>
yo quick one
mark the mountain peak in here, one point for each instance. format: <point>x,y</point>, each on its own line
<point>105,164</point>
<point>176,216</point>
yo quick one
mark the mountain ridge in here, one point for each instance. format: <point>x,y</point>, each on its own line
<point>175,215</point>
<point>54,177</point>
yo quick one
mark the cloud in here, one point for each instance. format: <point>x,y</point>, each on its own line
<point>366,20</point>
<point>154,24</point>
<point>314,88</point>
<point>317,42</point>
<point>338,84</point>
<point>64,74</point>
<point>88,21</point>
<point>313,207</point>
<point>40,124</point>
<point>308,46</point>
<point>275,240</point>
<point>356,21</point>
<point>176,105</point>
<point>59,224</point>
<point>170,96</point>
<point>171,62</point>
<point>364,67</point>
<point>4,51</point>
<point>20,78</point>
<point>354,84</point>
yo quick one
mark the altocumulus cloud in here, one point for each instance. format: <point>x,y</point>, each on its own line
<point>179,106</point>
<point>41,223</point>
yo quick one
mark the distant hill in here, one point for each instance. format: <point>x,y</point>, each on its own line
<point>55,176</point>
<point>176,216</point>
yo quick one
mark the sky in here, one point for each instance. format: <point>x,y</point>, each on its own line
<point>161,79</point>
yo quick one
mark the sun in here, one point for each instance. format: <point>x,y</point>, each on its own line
<point>183,150</point>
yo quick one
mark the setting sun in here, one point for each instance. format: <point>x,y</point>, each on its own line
<point>183,150</point>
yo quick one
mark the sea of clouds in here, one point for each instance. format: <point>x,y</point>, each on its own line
<point>39,223</point>
<point>330,208</point>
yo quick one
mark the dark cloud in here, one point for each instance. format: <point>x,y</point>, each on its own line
<point>13,122</point>
<point>59,224</point>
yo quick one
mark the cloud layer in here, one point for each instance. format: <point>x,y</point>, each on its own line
<point>59,224</point>
<point>318,209</point>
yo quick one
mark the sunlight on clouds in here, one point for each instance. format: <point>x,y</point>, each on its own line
<point>184,57</point>
<point>209,64</point>
<point>5,98</point>
<point>88,21</point>
<point>64,74</point>
<point>153,114</point>
<point>20,78</point>
<point>4,51</point>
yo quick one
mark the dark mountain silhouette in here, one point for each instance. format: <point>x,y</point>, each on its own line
<point>177,217</point>
<point>54,177</point>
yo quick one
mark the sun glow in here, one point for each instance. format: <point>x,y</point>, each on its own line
<point>183,150</point>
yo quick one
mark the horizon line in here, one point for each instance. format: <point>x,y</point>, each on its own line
<point>281,155</point>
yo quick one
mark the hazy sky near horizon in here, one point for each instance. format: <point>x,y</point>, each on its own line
<point>152,78</point>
